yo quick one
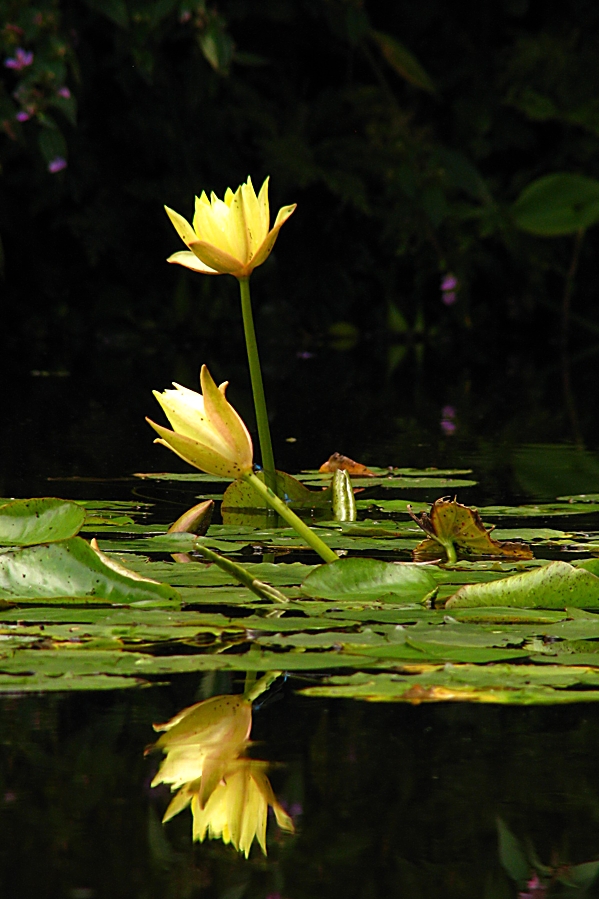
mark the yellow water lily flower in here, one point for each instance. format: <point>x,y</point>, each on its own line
<point>237,808</point>
<point>207,431</point>
<point>230,236</point>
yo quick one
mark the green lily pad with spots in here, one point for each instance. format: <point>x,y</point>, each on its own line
<point>73,568</point>
<point>26,522</point>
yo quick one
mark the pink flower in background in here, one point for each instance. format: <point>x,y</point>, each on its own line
<point>448,425</point>
<point>57,164</point>
<point>535,889</point>
<point>22,116</point>
<point>449,285</point>
<point>20,60</point>
<point>64,92</point>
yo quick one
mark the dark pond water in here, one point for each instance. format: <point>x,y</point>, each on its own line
<point>388,800</point>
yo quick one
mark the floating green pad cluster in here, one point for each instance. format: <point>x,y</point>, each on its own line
<point>485,631</point>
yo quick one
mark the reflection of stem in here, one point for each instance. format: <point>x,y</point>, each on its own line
<point>565,357</point>
<point>312,539</point>
<point>569,286</point>
<point>268,460</point>
<point>252,692</point>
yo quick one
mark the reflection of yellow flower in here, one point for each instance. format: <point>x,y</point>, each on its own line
<point>229,795</point>
<point>230,236</point>
<point>207,431</point>
<point>236,810</point>
<point>201,740</point>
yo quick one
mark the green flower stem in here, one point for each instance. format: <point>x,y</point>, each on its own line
<point>268,459</point>
<point>312,539</point>
<point>449,548</point>
<point>264,591</point>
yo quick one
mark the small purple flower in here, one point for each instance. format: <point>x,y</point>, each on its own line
<point>22,116</point>
<point>448,412</point>
<point>448,282</point>
<point>535,889</point>
<point>448,427</point>
<point>449,286</point>
<point>64,92</point>
<point>57,164</point>
<point>20,60</point>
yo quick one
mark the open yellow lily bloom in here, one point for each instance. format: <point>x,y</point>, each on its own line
<point>230,236</point>
<point>207,431</point>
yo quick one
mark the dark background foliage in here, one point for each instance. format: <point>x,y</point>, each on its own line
<point>403,131</point>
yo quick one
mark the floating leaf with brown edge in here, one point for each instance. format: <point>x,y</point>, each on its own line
<point>457,531</point>
<point>555,586</point>
<point>338,462</point>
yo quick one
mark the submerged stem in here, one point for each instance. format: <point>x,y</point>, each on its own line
<point>268,460</point>
<point>312,539</point>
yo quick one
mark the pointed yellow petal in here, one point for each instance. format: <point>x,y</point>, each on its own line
<point>256,229</point>
<point>219,260</point>
<point>185,411</point>
<point>182,226</point>
<point>226,420</point>
<point>237,231</point>
<point>265,250</point>
<point>264,207</point>
<point>180,801</point>
<point>190,260</point>
<point>198,455</point>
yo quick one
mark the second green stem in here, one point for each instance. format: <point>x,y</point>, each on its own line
<point>325,552</point>
<point>268,460</point>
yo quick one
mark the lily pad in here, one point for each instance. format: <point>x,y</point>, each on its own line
<point>555,586</point>
<point>458,530</point>
<point>370,579</point>
<point>26,522</point>
<point>241,495</point>
<point>73,568</point>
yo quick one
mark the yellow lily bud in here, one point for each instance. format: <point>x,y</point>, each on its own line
<point>207,431</point>
<point>230,236</point>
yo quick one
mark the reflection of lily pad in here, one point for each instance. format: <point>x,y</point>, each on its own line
<point>511,684</point>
